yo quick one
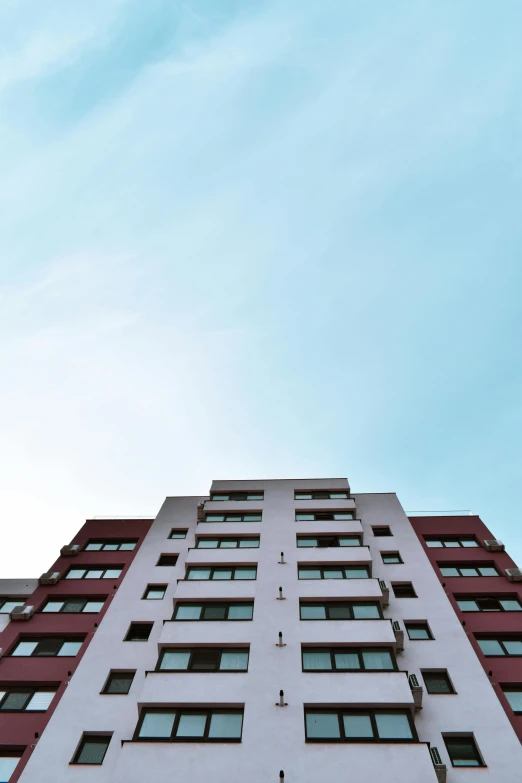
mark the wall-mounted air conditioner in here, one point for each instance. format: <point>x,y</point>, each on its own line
<point>514,574</point>
<point>201,512</point>
<point>22,613</point>
<point>416,690</point>
<point>385,593</point>
<point>71,550</point>
<point>399,635</point>
<point>440,769</point>
<point>49,578</point>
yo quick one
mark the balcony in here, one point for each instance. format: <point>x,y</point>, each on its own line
<point>349,589</point>
<point>378,633</point>
<point>345,555</point>
<point>217,590</point>
<point>328,527</point>
<point>243,556</point>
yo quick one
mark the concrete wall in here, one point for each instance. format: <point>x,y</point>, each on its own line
<point>273,737</point>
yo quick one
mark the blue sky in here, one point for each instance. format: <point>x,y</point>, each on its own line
<point>257,238</point>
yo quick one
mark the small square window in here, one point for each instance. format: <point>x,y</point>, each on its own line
<point>437,682</point>
<point>463,751</point>
<point>403,590</point>
<point>119,683</point>
<point>382,530</point>
<point>391,558</point>
<point>418,631</point>
<point>138,632</point>
<point>178,533</point>
<point>92,750</point>
<point>167,560</point>
<point>154,592</point>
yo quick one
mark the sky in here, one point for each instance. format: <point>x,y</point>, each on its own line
<point>257,239</point>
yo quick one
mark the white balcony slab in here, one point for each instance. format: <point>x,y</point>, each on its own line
<point>329,528</point>
<point>220,557</point>
<point>345,555</point>
<point>358,589</point>
<point>192,589</point>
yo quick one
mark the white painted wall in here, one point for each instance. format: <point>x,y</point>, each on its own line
<point>273,738</point>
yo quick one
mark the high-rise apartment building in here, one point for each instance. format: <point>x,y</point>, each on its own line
<point>274,630</point>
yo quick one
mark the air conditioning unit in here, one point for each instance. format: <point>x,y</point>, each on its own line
<point>201,512</point>
<point>49,578</point>
<point>22,613</point>
<point>70,551</point>
<point>399,635</point>
<point>514,574</point>
<point>494,545</point>
<point>385,593</point>
<point>416,690</point>
<point>440,769</point>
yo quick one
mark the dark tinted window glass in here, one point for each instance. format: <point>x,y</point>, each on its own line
<point>119,682</point>
<point>437,682</point>
<point>92,750</point>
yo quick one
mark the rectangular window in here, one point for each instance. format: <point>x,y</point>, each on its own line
<point>391,558</point>
<point>437,681</point>
<point>323,494</point>
<point>138,632</point>
<point>222,573</point>
<point>501,647</point>
<point>347,659</point>
<point>203,659</point>
<point>74,605</point>
<point>91,572</point>
<point>418,631</point>
<point>450,543</point>
<point>233,517</point>
<point>328,541</point>
<point>25,699</point>
<point>463,750</point>
<point>333,572</point>
<point>118,683</point>
<point>190,725</point>
<point>381,530</point>
<point>154,592</point>
<point>8,763</point>
<point>177,532</point>
<point>92,749</point>
<point>37,647</point>
<point>369,725</point>
<point>513,694</point>
<point>167,560</point>
<point>225,542</point>
<point>323,516</point>
<point>403,590</point>
<point>214,611</point>
<point>110,546</point>
<point>254,495</point>
<point>337,610</point>
<point>467,569</point>
<point>488,604</point>
<point>8,604</point>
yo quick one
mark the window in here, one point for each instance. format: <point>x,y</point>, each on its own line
<point>382,530</point>
<point>47,647</point>
<point>138,632</point>
<point>114,572</point>
<point>501,647</point>
<point>347,659</point>
<point>203,659</point>
<point>178,533</point>
<point>513,694</point>
<point>488,604</point>
<point>183,725</point>
<point>418,631</point>
<point>25,699</point>
<point>110,546</point>
<point>335,610</point>
<point>328,541</point>
<point>359,726</point>
<point>234,572</point>
<point>463,750</point>
<point>8,762</point>
<point>74,605</point>
<point>323,494</point>
<point>237,495</point>
<point>391,558</point>
<point>323,516</point>
<point>154,592</point>
<point>118,683</point>
<point>333,572</point>
<point>468,569</point>
<point>403,590</point>
<point>451,543</point>
<point>92,750</point>
<point>214,611</point>
<point>8,604</point>
<point>437,682</point>
<point>224,542</point>
<point>234,517</point>
<point>167,560</point>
